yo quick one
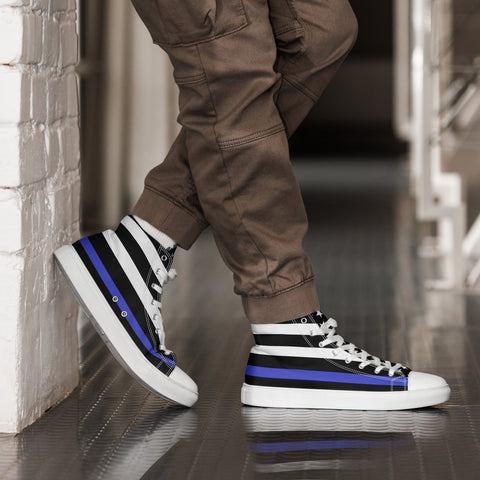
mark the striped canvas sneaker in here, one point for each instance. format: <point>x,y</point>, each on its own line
<point>117,276</point>
<point>304,363</point>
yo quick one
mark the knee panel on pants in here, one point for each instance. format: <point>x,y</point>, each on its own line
<point>331,37</point>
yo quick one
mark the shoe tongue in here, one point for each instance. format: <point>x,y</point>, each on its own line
<point>319,317</point>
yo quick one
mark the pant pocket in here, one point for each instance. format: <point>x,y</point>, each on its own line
<point>287,27</point>
<point>187,22</point>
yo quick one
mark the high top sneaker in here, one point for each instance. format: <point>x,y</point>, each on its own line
<point>303,363</point>
<point>117,276</point>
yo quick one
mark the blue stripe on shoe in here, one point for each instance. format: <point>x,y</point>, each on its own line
<point>326,445</point>
<point>320,376</point>
<point>114,291</point>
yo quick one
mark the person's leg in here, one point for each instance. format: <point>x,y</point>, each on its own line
<point>262,245</point>
<point>237,153</point>
<point>225,94</point>
<point>313,38</point>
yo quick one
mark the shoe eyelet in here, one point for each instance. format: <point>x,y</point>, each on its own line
<point>124,313</point>
<point>303,320</point>
<point>115,299</point>
<point>334,353</point>
<point>347,361</point>
<point>153,285</point>
<point>164,258</point>
<point>361,367</point>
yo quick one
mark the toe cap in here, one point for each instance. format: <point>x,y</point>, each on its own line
<point>422,381</point>
<point>181,378</point>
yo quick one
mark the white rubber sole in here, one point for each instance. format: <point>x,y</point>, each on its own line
<point>115,336</point>
<point>281,397</point>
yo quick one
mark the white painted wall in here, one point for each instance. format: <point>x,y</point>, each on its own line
<point>39,206</point>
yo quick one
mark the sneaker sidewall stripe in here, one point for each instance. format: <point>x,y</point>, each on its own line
<point>90,246</point>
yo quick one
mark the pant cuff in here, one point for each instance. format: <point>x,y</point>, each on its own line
<point>292,303</point>
<point>165,215</point>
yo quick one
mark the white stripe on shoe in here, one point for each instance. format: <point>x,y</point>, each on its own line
<point>143,241</point>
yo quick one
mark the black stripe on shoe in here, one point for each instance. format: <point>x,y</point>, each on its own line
<point>141,262</point>
<point>169,252</point>
<point>308,363</point>
<point>288,340</point>
<point>311,384</point>
<point>115,271</point>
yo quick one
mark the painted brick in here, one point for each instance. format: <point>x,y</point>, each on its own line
<point>32,39</point>
<point>11,220</point>
<point>13,3</point>
<point>51,41</point>
<point>38,98</point>
<point>39,206</point>
<point>11,279</point>
<point>11,35</point>
<point>32,154</point>
<point>68,42</point>
<point>72,95</point>
<point>9,154</point>
<point>59,5</point>
<point>52,145</point>
<point>11,93</point>
<point>70,145</point>
<point>56,99</point>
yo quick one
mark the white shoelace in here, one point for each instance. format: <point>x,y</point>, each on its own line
<point>164,276</point>
<point>365,358</point>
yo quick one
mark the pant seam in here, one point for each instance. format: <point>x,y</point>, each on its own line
<point>177,204</point>
<point>285,290</point>
<point>289,28</point>
<point>226,170</point>
<point>300,87</point>
<point>190,80</point>
<point>251,137</point>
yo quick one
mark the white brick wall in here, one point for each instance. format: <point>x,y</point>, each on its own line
<point>39,205</point>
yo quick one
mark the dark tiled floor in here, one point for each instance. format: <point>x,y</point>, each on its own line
<point>362,241</point>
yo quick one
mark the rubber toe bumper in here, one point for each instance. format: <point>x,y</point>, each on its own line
<point>422,381</point>
<point>190,388</point>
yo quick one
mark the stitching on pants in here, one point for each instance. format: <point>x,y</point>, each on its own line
<point>301,88</point>
<point>281,292</point>
<point>177,204</point>
<point>288,28</point>
<point>195,43</point>
<point>191,79</point>
<point>228,176</point>
<point>279,127</point>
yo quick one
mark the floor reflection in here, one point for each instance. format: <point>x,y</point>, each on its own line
<point>148,448</point>
<point>291,444</point>
<point>363,243</point>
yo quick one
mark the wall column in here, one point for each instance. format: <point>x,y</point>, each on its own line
<point>39,206</point>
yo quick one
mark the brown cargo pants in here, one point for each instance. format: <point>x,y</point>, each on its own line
<point>248,72</point>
